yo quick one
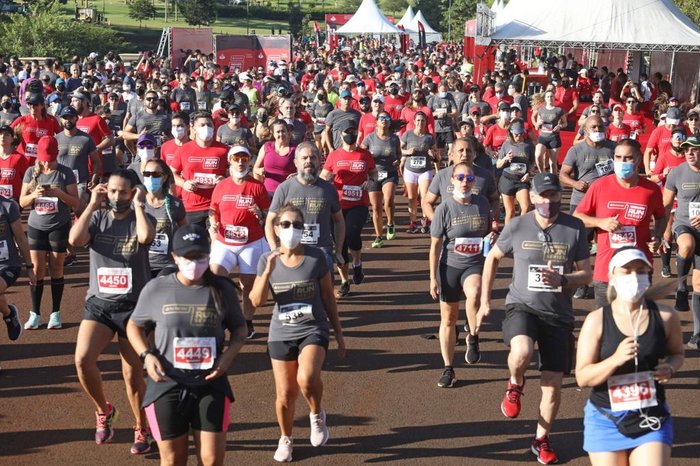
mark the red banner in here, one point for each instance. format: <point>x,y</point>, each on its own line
<point>243,52</point>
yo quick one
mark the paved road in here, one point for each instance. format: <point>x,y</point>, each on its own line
<point>383,401</point>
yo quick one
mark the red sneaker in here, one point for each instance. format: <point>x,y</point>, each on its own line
<point>510,406</point>
<point>543,449</point>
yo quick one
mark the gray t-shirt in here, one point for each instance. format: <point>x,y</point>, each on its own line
<point>335,117</point>
<point>135,106</point>
<point>564,243</point>
<point>523,158</point>
<point>550,118</point>
<point>485,184</point>
<point>49,212</point>
<point>685,182</point>
<point>118,263</point>
<point>385,151</point>
<point>6,118</point>
<point>320,111</point>
<point>589,163</point>
<point>9,213</point>
<point>233,137</point>
<point>318,201</point>
<point>462,228</point>
<point>299,310</point>
<point>166,219</point>
<point>484,107</point>
<point>155,124</point>
<point>442,106</point>
<point>74,152</point>
<point>187,98</point>
<point>420,161</point>
<point>297,132</point>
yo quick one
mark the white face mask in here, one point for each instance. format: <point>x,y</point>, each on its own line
<point>460,196</point>
<point>442,95</point>
<point>290,237</point>
<point>505,116</point>
<point>192,270</point>
<point>145,153</point>
<point>511,91</point>
<point>630,288</point>
<point>234,120</point>
<point>178,132</point>
<point>205,133</point>
<point>126,88</point>
<point>673,121</point>
<point>236,174</point>
<point>597,136</point>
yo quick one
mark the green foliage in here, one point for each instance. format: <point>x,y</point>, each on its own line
<point>691,8</point>
<point>141,10</point>
<point>307,27</point>
<point>461,11</point>
<point>393,6</point>
<point>197,12</point>
<point>295,21</point>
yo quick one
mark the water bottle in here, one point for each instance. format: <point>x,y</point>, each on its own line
<point>487,245</point>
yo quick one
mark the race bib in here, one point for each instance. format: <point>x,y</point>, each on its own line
<point>6,190</point>
<point>236,234</point>
<point>547,127</point>
<point>518,168</point>
<point>46,205</point>
<point>185,106</point>
<point>201,105</point>
<point>312,232</point>
<point>4,251</point>
<point>632,391</point>
<point>30,150</point>
<point>535,278</point>
<point>381,175</point>
<point>295,313</point>
<point>75,173</point>
<point>194,353</point>
<point>159,245</point>
<point>321,120</point>
<point>114,280</point>
<point>417,162</point>
<point>352,193</point>
<point>468,247</point>
<point>604,168</point>
<point>693,209</point>
<point>205,180</point>
<point>625,235</point>
<point>107,150</point>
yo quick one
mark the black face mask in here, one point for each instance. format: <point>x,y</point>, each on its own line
<point>394,91</point>
<point>7,105</point>
<point>140,91</point>
<point>321,96</point>
<point>61,87</point>
<point>565,84</point>
<point>349,138</point>
<point>119,206</point>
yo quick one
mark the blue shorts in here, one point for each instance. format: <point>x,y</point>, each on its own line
<point>601,435</point>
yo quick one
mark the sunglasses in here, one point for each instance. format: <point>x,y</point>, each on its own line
<point>384,118</point>
<point>595,112</point>
<point>631,101</point>
<point>150,99</point>
<point>297,224</point>
<point>693,119</point>
<point>146,146</point>
<point>153,174</point>
<point>240,158</point>
<point>462,176</point>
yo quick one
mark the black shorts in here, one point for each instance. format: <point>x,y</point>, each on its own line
<point>200,217</point>
<point>202,408</point>
<point>290,350</point>
<point>113,315</point>
<point>55,240</point>
<point>682,229</point>
<point>10,274</point>
<point>510,186</point>
<point>443,139</point>
<point>391,177</point>
<point>555,344</point>
<point>550,141</point>
<point>452,281</point>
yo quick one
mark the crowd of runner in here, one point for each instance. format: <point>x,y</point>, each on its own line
<point>176,176</point>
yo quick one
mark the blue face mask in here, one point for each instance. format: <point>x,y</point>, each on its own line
<point>624,170</point>
<point>152,184</point>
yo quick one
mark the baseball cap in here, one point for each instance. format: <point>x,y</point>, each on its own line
<point>53,98</point>
<point>235,150</point>
<point>673,98</point>
<point>516,106</point>
<point>7,129</point>
<point>146,139</point>
<point>345,94</point>
<point>365,100</point>
<point>545,181</point>
<point>466,122</point>
<point>673,113</point>
<point>583,71</point>
<point>692,141</point>
<point>35,99</point>
<point>474,89</point>
<point>678,130</point>
<point>504,107</point>
<point>378,98</point>
<point>78,95</point>
<point>244,77</point>
<point>692,113</point>
<point>47,149</point>
<point>191,238</point>
<point>474,110</point>
<point>517,127</point>
<point>626,255</point>
<point>60,81</point>
<point>345,125</point>
<point>617,106</point>
<point>68,111</point>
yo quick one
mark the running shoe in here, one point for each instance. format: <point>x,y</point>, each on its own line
<point>104,431</point>
<point>378,242</point>
<point>284,450</point>
<point>412,228</point>
<point>581,292</point>
<point>70,259</point>
<point>14,328</point>
<point>251,329</point>
<point>681,301</point>
<point>143,441</point>
<point>357,274</point>
<point>55,320</point>
<point>473,355</point>
<point>447,379</point>
<point>33,322</point>
<point>424,225</point>
<point>319,429</point>
<point>666,271</point>
<point>694,342</point>
<point>542,448</point>
<point>510,406</point>
<point>343,291</point>
<point>390,232</point>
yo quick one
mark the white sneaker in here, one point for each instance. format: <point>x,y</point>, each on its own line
<point>55,320</point>
<point>319,430</point>
<point>33,322</point>
<point>284,450</point>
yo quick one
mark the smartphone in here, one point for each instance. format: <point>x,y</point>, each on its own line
<point>46,186</point>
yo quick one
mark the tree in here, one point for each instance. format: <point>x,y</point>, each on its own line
<point>296,17</point>
<point>197,12</point>
<point>690,8</point>
<point>461,11</point>
<point>394,6</point>
<point>141,10</point>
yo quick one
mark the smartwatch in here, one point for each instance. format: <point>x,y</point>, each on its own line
<point>146,353</point>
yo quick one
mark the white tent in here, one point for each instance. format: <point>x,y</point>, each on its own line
<point>368,19</point>
<point>407,17</point>
<point>431,35</point>
<point>497,6</point>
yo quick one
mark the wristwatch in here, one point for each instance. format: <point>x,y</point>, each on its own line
<point>563,280</point>
<point>146,353</point>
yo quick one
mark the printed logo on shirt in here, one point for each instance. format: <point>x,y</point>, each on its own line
<point>310,206</point>
<point>300,290</point>
<point>125,247</point>
<point>73,150</point>
<point>211,163</point>
<point>177,309</point>
<point>242,202</point>
<point>7,173</point>
<point>162,224</point>
<point>204,317</point>
<point>684,186</point>
<point>551,251</point>
<point>84,129</point>
<point>475,222</point>
<point>358,166</point>
<point>635,212</point>
<point>40,132</point>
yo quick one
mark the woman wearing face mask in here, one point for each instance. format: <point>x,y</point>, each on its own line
<point>165,210</point>
<point>418,103</point>
<point>633,345</point>
<point>234,133</point>
<point>549,121</point>
<point>319,111</point>
<point>299,330</point>
<point>275,161</point>
<point>51,191</point>
<point>238,205</point>
<point>204,97</point>
<point>187,384</point>
<point>145,151</point>
<point>517,160</point>
<point>460,226</point>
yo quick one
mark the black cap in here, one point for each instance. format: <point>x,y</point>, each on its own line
<point>504,107</point>
<point>545,181</point>
<point>191,238</point>
<point>68,111</point>
<point>365,100</point>
<point>466,122</point>
<point>35,99</point>
<point>678,129</point>
<point>346,124</point>
<point>7,129</point>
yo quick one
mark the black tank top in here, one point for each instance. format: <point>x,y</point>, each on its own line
<point>652,347</point>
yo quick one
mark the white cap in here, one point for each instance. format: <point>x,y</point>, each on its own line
<point>445,68</point>
<point>351,79</point>
<point>625,256</point>
<point>238,150</point>
<point>583,71</point>
<point>244,77</point>
<point>516,105</point>
<point>93,55</point>
<point>378,98</point>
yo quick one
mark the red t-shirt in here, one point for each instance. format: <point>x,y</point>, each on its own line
<point>407,114</point>
<point>394,105</point>
<point>634,208</point>
<point>350,170</point>
<point>167,154</point>
<point>97,128</point>
<point>616,134</point>
<point>634,120</point>
<point>660,140</point>
<point>565,98</point>
<point>12,171</point>
<point>495,137</point>
<point>666,160</point>
<point>33,130</point>
<point>368,122</point>
<point>201,165</point>
<point>231,205</point>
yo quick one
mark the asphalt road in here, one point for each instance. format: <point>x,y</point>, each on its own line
<point>383,402</point>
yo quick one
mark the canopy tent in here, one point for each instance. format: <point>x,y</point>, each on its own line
<point>407,17</point>
<point>647,25</point>
<point>497,6</point>
<point>368,19</point>
<point>431,35</point>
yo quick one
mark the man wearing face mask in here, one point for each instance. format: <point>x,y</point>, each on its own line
<point>551,258</point>
<point>151,120</point>
<point>180,130</point>
<point>184,95</point>
<point>660,139</point>
<point>199,166</point>
<point>203,95</point>
<point>234,132</point>
<point>332,136</point>
<point>621,208</point>
<point>297,128</point>
<point>145,151</point>
<point>474,100</point>
<point>444,110</point>
<point>8,113</point>
<point>498,97</point>
<point>118,238</point>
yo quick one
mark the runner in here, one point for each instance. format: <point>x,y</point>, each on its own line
<point>332,135</point>
<point>302,288</point>
<point>517,160</point>
<point>549,120</point>
<point>275,161</point>
<point>233,133</point>
<point>460,226</point>
<point>660,140</point>
<point>444,110</point>
<point>238,208</point>
<point>118,239</point>
<point>187,384</point>
<point>12,165</point>
<point>551,258</point>
<point>34,125</point>
<point>623,347</point>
